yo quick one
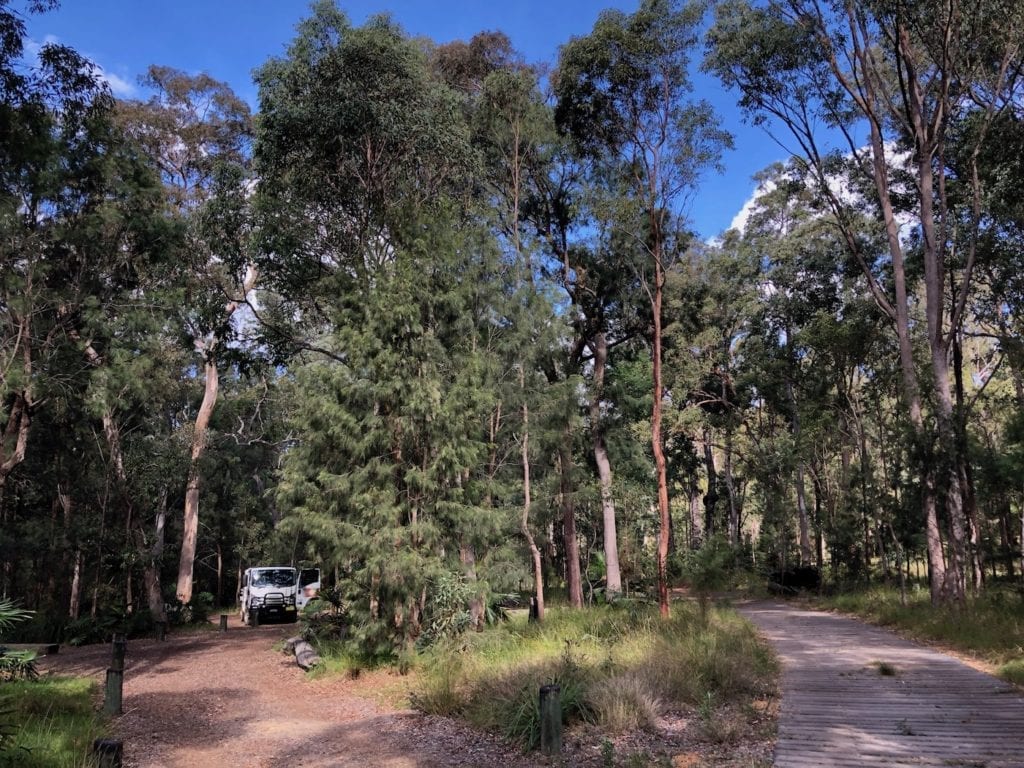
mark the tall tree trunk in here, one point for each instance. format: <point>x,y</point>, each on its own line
<point>819,538</point>
<point>75,602</point>
<point>467,555</point>
<point>696,515</point>
<point>656,441</point>
<point>970,505</point>
<point>711,497</point>
<point>730,489</point>
<point>220,574</point>
<point>152,560</point>
<point>570,544</point>
<point>806,553</point>
<point>190,529</point>
<point>211,386</point>
<point>1006,535</point>
<point>524,522</point>
<point>613,579</point>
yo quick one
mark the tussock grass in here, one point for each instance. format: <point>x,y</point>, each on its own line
<point>53,722</point>
<point>624,703</point>
<point>618,666</point>
<point>990,627</point>
<point>1013,671</point>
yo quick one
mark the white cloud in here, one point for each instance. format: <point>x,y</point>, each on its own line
<point>118,85</point>
<point>739,221</point>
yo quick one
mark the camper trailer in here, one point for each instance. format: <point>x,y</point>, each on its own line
<point>276,592</point>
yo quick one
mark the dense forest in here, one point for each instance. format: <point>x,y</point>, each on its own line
<point>433,318</point>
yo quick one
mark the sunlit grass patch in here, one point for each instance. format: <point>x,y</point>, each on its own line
<point>621,667</point>
<point>53,722</point>
<point>990,627</point>
<point>1013,671</point>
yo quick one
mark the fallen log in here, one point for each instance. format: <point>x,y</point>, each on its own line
<point>291,642</point>
<point>305,656</point>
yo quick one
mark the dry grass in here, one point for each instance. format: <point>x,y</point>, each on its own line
<point>620,667</point>
<point>624,703</point>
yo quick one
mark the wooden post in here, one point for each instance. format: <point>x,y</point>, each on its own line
<point>108,752</point>
<point>223,622</point>
<point>550,719</point>
<point>119,646</point>
<point>113,692</point>
<point>161,630</point>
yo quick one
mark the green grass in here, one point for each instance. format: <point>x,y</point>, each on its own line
<point>618,666</point>
<point>54,723</point>
<point>990,627</point>
<point>1013,671</point>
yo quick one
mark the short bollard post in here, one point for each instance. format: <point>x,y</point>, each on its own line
<point>550,719</point>
<point>223,622</point>
<point>119,646</point>
<point>161,631</point>
<point>113,692</point>
<point>108,753</point>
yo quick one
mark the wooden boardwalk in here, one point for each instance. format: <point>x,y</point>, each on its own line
<point>839,709</point>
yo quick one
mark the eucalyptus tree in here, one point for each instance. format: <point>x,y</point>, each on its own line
<point>52,114</point>
<point>904,73</point>
<point>83,233</point>
<point>513,128</point>
<point>623,97</point>
<point>196,131</point>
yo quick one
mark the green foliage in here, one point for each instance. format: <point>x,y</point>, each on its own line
<point>55,723</point>
<point>619,665</point>
<point>1013,672</point>
<point>17,665</point>
<point>11,614</point>
<point>195,611</point>
<point>447,615</point>
<point>324,618</point>
<point>87,630</point>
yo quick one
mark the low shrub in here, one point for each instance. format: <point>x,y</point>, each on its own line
<point>1013,671</point>
<point>102,627</point>
<point>17,665</point>
<point>195,611</point>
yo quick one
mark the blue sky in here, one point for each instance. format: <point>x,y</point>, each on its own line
<point>229,38</point>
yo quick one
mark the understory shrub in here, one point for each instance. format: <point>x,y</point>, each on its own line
<point>102,627</point>
<point>1013,672</point>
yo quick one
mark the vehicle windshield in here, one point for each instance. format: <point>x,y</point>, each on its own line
<point>274,577</point>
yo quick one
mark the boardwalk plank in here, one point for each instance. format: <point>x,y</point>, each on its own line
<point>838,710</point>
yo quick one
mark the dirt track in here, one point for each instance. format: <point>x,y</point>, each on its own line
<point>210,700</point>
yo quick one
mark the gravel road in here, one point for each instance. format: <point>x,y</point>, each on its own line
<point>209,699</point>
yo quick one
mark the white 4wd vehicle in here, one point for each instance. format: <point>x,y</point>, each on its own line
<point>277,592</point>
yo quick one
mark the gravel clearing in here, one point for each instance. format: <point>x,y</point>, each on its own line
<point>207,700</point>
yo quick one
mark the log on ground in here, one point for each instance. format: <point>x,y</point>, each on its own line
<point>305,656</point>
